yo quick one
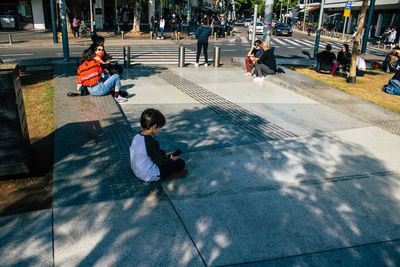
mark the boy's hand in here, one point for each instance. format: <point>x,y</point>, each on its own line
<point>174,157</point>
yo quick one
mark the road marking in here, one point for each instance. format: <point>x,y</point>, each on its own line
<point>302,42</point>
<point>290,47</point>
<point>293,43</point>
<point>278,41</point>
<point>15,55</point>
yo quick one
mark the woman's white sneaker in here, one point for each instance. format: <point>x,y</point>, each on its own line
<point>120,99</point>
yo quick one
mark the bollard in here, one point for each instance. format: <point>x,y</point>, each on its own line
<point>231,34</point>
<point>10,39</point>
<point>226,36</point>
<point>127,56</point>
<point>179,36</point>
<point>122,35</point>
<point>151,35</point>
<point>217,56</point>
<point>215,36</point>
<point>181,59</point>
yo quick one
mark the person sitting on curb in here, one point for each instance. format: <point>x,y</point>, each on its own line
<point>390,59</point>
<point>148,162</point>
<point>361,66</point>
<point>325,60</point>
<point>344,59</point>
<point>266,64</point>
<point>253,56</point>
<point>91,75</point>
<point>393,86</point>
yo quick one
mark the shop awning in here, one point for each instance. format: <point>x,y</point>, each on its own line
<point>310,9</point>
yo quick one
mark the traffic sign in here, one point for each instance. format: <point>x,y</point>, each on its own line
<point>347,9</point>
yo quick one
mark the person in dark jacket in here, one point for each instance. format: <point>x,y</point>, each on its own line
<point>266,64</point>
<point>202,33</point>
<point>344,58</point>
<point>325,60</point>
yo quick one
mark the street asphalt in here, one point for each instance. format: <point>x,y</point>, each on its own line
<point>287,171</point>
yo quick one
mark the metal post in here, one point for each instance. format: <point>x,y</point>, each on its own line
<point>269,7</point>
<point>181,59</point>
<point>122,35</point>
<point>215,36</point>
<point>127,56</point>
<point>151,35</point>
<point>280,13</point>
<point>345,23</point>
<point>366,32</point>
<point>253,34</point>
<point>305,13</point>
<point>10,39</point>
<point>179,36</point>
<point>91,15</point>
<point>217,56</point>
<point>287,11</point>
<point>63,18</point>
<point>321,13</point>
<point>53,21</point>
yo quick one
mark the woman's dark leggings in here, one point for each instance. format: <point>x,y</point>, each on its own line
<point>202,44</point>
<point>168,169</point>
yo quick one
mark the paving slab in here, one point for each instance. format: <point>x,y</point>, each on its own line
<point>26,239</point>
<point>340,155</point>
<point>139,232</point>
<point>376,254</point>
<point>250,226</point>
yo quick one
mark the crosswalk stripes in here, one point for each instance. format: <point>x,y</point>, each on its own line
<point>278,41</point>
<point>154,55</point>
<point>293,43</point>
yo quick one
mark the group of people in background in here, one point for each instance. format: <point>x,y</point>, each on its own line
<point>328,62</point>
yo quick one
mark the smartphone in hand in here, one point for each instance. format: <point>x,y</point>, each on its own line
<point>177,153</point>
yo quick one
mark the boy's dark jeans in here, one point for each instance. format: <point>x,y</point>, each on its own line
<point>168,169</point>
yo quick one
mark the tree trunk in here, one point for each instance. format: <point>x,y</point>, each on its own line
<point>356,42</point>
<point>136,17</point>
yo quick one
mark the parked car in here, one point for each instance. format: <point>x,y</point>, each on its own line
<point>282,29</point>
<point>248,21</point>
<point>259,28</point>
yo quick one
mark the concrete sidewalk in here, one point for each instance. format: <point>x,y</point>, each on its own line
<point>276,176</point>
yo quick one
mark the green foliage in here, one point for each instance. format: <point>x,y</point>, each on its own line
<point>246,7</point>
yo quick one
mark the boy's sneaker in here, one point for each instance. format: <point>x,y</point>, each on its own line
<point>196,65</point>
<point>120,99</point>
<point>205,65</point>
<point>247,74</point>
<point>259,79</point>
<point>177,175</point>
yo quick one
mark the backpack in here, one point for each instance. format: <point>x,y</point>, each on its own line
<point>393,87</point>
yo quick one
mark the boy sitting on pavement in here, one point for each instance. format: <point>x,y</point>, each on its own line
<point>325,60</point>
<point>148,161</point>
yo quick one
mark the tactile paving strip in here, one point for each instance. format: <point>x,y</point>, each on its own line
<point>259,128</point>
<point>389,122</point>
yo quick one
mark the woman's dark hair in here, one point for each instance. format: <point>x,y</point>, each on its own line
<point>152,117</point>
<point>346,46</point>
<point>99,40</point>
<point>87,55</point>
<point>106,56</point>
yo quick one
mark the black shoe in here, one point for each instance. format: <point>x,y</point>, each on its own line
<point>123,93</point>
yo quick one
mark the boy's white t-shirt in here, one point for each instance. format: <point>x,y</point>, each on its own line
<point>142,165</point>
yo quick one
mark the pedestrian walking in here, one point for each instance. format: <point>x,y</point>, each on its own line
<point>202,33</point>
<point>155,24</point>
<point>75,27</point>
<point>162,26</point>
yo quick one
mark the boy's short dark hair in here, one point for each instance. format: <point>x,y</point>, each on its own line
<point>152,117</point>
<point>328,47</point>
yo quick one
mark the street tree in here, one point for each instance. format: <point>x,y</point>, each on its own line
<point>356,43</point>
